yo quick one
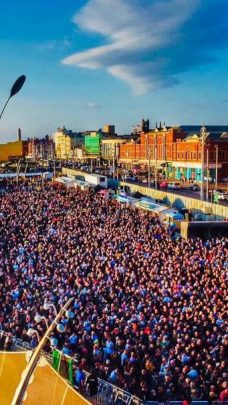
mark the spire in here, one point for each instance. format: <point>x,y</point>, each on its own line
<point>19,134</point>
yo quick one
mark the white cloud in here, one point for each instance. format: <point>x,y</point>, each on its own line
<point>93,105</point>
<point>135,33</point>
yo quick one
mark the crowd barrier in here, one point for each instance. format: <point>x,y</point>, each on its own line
<point>177,201</point>
<point>109,394</point>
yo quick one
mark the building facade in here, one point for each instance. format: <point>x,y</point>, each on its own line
<point>66,141</point>
<point>13,150</point>
<point>178,154</point>
<point>109,130</point>
<point>93,144</point>
<point>41,148</point>
<point>110,148</point>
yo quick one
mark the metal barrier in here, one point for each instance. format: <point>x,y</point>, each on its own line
<point>109,394</point>
<point>103,398</point>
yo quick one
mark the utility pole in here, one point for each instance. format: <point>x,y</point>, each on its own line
<point>26,167</point>
<point>18,170</point>
<point>216,166</point>
<point>113,162</point>
<point>156,161</point>
<point>203,138</point>
<point>207,193</point>
<point>148,160</point>
<point>54,169</point>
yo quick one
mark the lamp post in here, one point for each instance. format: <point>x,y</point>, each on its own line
<point>19,394</point>
<point>18,170</point>
<point>207,195</point>
<point>216,166</point>
<point>14,90</point>
<point>203,138</point>
<point>26,167</point>
<point>38,318</point>
<point>48,305</point>
<point>31,332</point>
<point>148,159</point>
<point>156,161</point>
<point>113,161</point>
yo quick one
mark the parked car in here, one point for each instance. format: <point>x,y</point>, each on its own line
<point>194,187</point>
<point>222,194</point>
<point>164,184</point>
<point>130,178</point>
<point>174,186</point>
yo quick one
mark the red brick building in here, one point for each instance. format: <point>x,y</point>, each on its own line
<point>41,148</point>
<point>177,151</point>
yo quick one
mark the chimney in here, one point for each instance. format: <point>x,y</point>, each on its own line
<point>19,134</point>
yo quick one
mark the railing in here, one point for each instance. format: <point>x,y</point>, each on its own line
<point>109,394</point>
<point>102,398</point>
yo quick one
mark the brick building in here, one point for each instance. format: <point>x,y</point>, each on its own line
<point>177,151</point>
<point>41,148</point>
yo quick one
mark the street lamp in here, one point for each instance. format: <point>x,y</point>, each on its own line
<point>148,159</point>
<point>19,394</point>
<point>31,332</point>
<point>60,328</point>
<point>53,341</point>
<point>156,159</point>
<point>18,170</point>
<point>203,138</point>
<point>216,166</point>
<point>113,161</point>
<point>38,318</point>
<point>48,305</point>
<point>69,314</point>
<point>14,90</point>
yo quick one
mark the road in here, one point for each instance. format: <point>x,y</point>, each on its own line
<point>182,192</point>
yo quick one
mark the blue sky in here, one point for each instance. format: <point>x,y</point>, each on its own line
<point>91,62</point>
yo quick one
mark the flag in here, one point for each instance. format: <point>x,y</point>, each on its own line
<point>70,371</point>
<point>63,365</point>
<point>56,359</point>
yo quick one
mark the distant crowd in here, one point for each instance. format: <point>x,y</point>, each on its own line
<point>149,311</point>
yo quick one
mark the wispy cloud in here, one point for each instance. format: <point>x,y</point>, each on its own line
<point>54,44</point>
<point>93,105</point>
<point>148,42</point>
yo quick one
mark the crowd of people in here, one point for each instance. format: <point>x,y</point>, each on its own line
<point>149,311</point>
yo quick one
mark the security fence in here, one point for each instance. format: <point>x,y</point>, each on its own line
<point>109,394</point>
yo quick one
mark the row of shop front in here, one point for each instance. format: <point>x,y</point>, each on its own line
<point>175,170</point>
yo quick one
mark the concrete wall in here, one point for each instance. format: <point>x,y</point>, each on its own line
<point>174,200</point>
<point>179,201</point>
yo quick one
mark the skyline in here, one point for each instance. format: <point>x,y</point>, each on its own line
<point>88,64</point>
